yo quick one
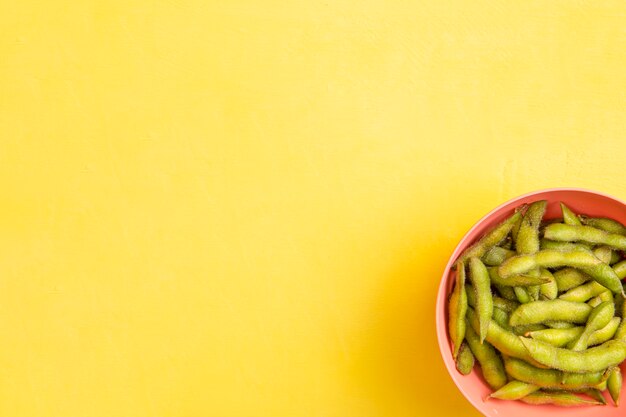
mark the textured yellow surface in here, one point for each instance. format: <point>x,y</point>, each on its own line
<point>232,209</point>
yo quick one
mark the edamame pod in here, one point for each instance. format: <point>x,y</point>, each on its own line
<point>527,239</point>
<point>503,304</point>
<point>620,269</point>
<point>490,363</point>
<point>595,394</point>
<point>604,334</point>
<point>600,298</point>
<point>457,308</point>
<point>514,390</point>
<point>516,280</point>
<point>603,223</point>
<point>584,292</point>
<point>479,276</point>
<point>614,384</point>
<point>522,295</point>
<point>506,342</point>
<point>563,246</point>
<point>552,378</point>
<point>502,318</point>
<point>560,398</point>
<point>568,278</point>
<point>556,337</point>
<point>569,217</point>
<point>496,255</point>
<point>542,311</point>
<point>493,237</point>
<point>595,359</point>
<point>506,292</point>
<point>550,289</point>
<point>599,317</point>
<point>569,233</point>
<point>604,253</point>
<point>465,360</point>
<point>599,271</point>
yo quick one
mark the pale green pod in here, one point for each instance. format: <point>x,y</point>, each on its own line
<point>465,360</point>
<point>490,363</point>
<point>493,237</point>
<point>595,359</point>
<point>527,239</point>
<point>559,398</point>
<point>599,317</point>
<point>514,390</point>
<point>603,223</point>
<point>552,378</point>
<point>550,310</point>
<point>584,292</point>
<point>569,217</point>
<point>457,308</point>
<point>569,233</point>
<point>479,276</point>
<point>614,384</point>
<point>598,270</point>
<point>496,255</point>
<point>568,278</point>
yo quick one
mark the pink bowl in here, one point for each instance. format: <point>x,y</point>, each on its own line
<point>472,386</point>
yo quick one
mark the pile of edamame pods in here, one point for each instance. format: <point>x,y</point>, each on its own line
<point>540,305</point>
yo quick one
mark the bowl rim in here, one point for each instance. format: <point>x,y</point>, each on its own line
<point>440,320</point>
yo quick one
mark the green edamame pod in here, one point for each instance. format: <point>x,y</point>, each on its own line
<point>557,337</point>
<point>542,311</point>
<point>533,292</point>
<point>599,317</point>
<point>553,324</point>
<point>501,317</point>
<point>527,328</point>
<point>569,217</point>
<point>568,278</point>
<point>493,237</point>
<point>471,295</point>
<point>490,363</point>
<point>496,255</point>
<point>514,390</point>
<point>527,239</point>
<point>604,334</point>
<point>598,270</point>
<point>614,384</point>
<point>522,295</point>
<point>465,360</point>
<point>620,269</point>
<point>595,394</point>
<point>504,304</point>
<point>602,297</point>
<point>552,378</point>
<point>604,253</point>
<point>550,289</point>
<point>560,398</point>
<point>603,223</point>
<point>506,342</point>
<point>457,309</point>
<point>584,292</point>
<point>515,280</point>
<point>620,333</point>
<point>479,276</point>
<point>506,292</point>
<point>568,233</point>
<point>563,246</point>
<point>595,359</point>
<point>616,256</point>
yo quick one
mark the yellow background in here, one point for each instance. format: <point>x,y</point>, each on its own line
<point>243,208</point>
